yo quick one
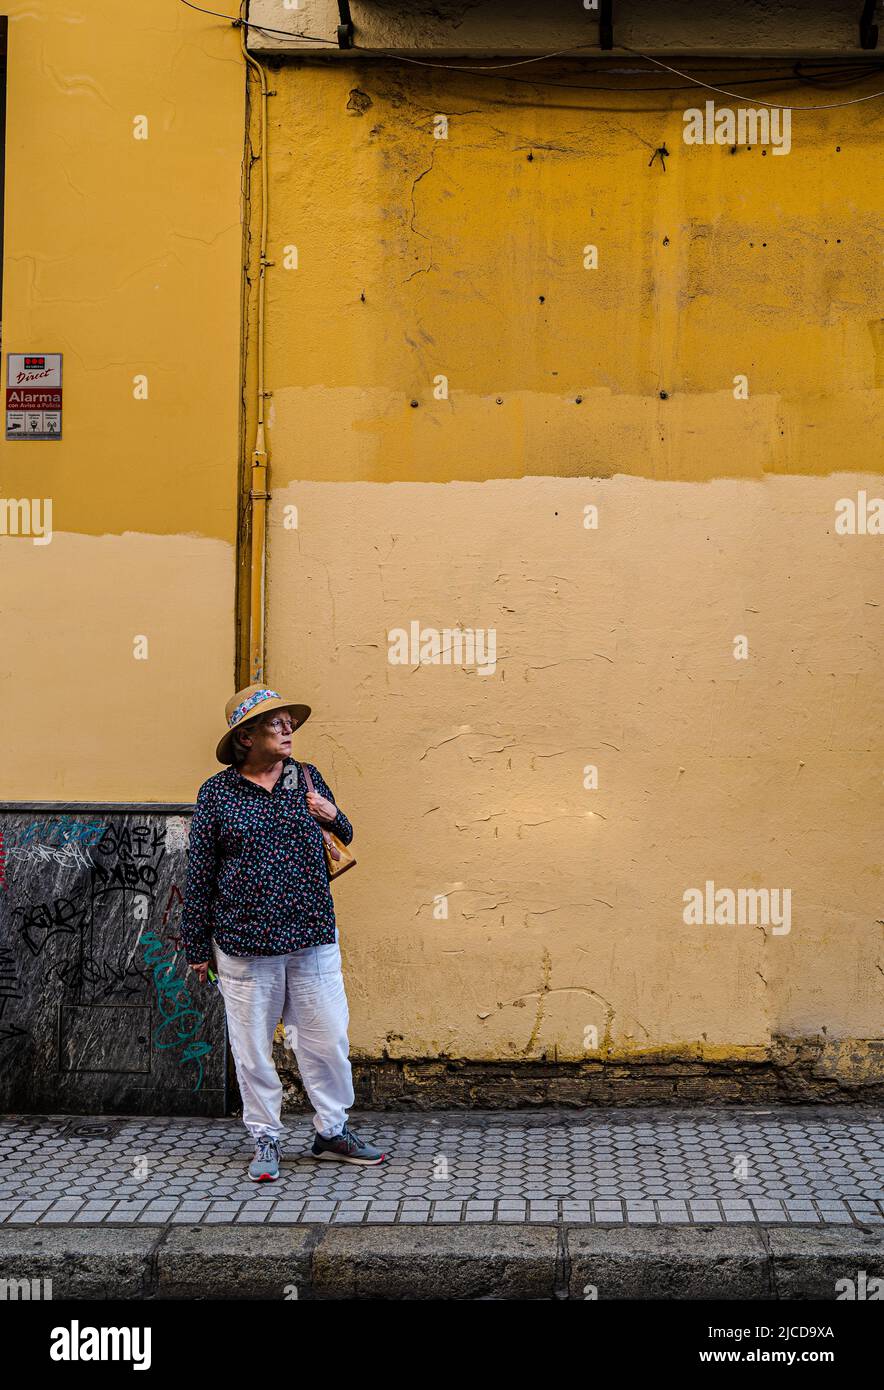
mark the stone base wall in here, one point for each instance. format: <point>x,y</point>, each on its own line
<point>799,1072</point>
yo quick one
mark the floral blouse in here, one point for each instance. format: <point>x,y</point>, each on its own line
<point>256,874</point>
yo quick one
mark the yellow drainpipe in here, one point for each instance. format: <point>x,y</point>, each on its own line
<point>258,493</point>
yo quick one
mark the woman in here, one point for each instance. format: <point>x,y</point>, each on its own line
<point>258,897</point>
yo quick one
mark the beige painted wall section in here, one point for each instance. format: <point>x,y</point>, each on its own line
<point>123,254</point>
<point>616,645</point>
<point>614,649</point>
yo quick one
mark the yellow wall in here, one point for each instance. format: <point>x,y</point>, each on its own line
<point>419,257</point>
<point>123,254</point>
<point>615,645</point>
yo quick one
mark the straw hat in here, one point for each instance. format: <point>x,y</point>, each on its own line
<point>245,704</point>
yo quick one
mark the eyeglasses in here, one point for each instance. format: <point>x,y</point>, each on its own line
<point>281,726</point>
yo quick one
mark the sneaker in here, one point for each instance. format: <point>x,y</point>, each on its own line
<point>264,1167</point>
<point>347,1147</point>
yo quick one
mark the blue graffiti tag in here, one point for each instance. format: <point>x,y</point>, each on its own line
<point>61,830</point>
<point>174,1001</point>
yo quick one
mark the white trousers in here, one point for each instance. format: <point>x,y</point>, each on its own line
<point>306,991</point>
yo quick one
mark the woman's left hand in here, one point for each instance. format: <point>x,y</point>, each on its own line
<point>321,807</point>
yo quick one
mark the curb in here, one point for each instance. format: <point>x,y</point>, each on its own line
<point>449,1262</point>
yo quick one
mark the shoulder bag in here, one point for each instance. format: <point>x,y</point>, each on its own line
<point>337,856</point>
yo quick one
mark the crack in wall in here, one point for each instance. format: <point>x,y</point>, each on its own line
<point>421,270</point>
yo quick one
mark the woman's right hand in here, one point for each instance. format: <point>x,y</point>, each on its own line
<point>202,971</point>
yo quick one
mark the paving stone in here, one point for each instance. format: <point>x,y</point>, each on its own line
<point>815,1167</point>
<point>706,1217</point>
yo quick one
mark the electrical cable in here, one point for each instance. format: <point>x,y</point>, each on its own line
<point>239,23</point>
<point>830,106</point>
<point>671,87</point>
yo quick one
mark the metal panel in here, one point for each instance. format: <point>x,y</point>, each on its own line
<point>97,1011</point>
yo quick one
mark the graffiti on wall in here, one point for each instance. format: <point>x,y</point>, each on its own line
<point>96,1001</point>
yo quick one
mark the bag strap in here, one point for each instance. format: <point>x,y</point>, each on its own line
<point>327,836</point>
<point>326,833</point>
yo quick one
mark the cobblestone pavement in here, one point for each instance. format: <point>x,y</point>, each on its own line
<point>814,1166</point>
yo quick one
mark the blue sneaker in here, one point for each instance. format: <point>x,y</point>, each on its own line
<point>264,1167</point>
<point>347,1147</point>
